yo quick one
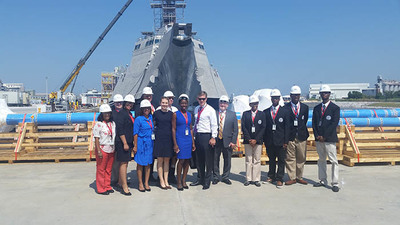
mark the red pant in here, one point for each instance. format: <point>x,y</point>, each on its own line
<point>103,171</point>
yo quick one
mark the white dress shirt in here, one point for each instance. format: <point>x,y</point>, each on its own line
<point>207,122</point>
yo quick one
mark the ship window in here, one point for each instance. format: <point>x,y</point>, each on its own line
<point>157,40</point>
<point>148,43</point>
<point>201,46</point>
<point>137,46</point>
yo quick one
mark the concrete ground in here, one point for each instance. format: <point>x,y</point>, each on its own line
<point>63,193</point>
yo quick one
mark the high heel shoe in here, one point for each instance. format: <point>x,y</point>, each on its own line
<point>186,187</point>
<point>148,189</point>
<point>126,193</point>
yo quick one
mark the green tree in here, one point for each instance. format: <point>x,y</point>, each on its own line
<point>355,95</point>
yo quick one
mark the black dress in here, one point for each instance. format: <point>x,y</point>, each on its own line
<point>163,145</point>
<point>124,126</point>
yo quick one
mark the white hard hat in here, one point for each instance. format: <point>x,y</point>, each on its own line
<point>324,88</point>
<point>183,96</point>
<point>147,91</point>
<point>295,90</point>
<point>275,93</point>
<point>253,99</point>
<point>169,94</point>
<point>224,98</point>
<point>105,108</point>
<point>145,103</point>
<point>118,98</point>
<point>129,98</point>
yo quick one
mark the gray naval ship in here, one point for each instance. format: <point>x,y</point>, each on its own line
<point>170,58</point>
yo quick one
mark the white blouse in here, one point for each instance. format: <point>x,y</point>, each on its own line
<point>106,134</point>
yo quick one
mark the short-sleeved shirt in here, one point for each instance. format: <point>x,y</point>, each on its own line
<point>106,134</point>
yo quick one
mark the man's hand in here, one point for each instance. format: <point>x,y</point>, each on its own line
<point>285,146</point>
<point>231,145</point>
<point>212,142</point>
<point>253,142</point>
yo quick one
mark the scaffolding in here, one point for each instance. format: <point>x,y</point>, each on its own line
<point>165,12</point>
<point>108,82</point>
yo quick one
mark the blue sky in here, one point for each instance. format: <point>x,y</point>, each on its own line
<point>253,44</point>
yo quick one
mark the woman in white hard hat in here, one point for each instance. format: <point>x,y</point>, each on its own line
<point>163,147</point>
<point>124,142</point>
<point>144,137</point>
<point>104,136</point>
<point>182,134</point>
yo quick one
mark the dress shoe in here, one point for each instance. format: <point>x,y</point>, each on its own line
<point>205,187</point>
<point>147,189</point>
<point>110,191</point>
<point>168,187</point>
<point>185,186</point>
<point>279,184</point>
<point>180,188</point>
<point>126,193</point>
<point>227,181</point>
<point>301,181</point>
<point>141,190</point>
<point>103,193</point>
<point>257,183</point>
<point>246,183</point>
<point>215,181</point>
<point>195,183</point>
<point>319,184</point>
<point>290,182</point>
<point>269,180</point>
<point>335,188</point>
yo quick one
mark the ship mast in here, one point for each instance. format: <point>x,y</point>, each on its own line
<point>165,12</point>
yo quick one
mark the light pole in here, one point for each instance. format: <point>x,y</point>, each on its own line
<point>47,94</point>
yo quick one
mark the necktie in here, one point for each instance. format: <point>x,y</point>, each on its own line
<point>323,107</point>
<point>221,117</point>
<point>198,118</point>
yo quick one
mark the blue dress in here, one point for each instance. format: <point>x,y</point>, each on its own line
<point>142,128</point>
<point>184,141</point>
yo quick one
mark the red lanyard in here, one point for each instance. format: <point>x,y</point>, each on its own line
<point>110,128</point>
<point>150,124</point>
<point>133,120</point>
<point>274,114</point>
<point>253,117</point>
<point>322,110</point>
<point>296,112</point>
<point>221,116</point>
<point>199,113</point>
<point>152,109</point>
<point>186,117</point>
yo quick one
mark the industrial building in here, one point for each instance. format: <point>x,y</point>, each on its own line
<point>14,94</point>
<point>387,85</point>
<point>339,90</point>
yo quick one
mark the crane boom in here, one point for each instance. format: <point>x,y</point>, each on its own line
<point>73,75</point>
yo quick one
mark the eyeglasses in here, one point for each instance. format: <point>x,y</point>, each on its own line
<point>117,103</point>
<point>224,102</point>
<point>170,97</point>
<point>201,99</point>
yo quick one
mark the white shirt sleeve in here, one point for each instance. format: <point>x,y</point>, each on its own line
<point>97,129</point>
<point>214,123</point>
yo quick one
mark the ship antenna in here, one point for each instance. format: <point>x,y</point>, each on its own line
<point>165,12</point>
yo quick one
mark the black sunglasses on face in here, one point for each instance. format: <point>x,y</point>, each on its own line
<point>201,99</point>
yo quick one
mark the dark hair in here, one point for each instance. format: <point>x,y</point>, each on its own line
<point>163,97</point>
<point>202,93</point>
<point>142,111</point>
<point>101,119</point>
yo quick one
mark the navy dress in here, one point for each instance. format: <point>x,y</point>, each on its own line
<point>163,145</point>
<point>184,141</point>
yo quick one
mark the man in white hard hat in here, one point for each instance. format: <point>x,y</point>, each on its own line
<point>170,96</point>
<point>324,121</point>
<point>298,134</point>
<point>118,105</point>
<point>226,140</point>
<point>276,138</point>
<point>205,131</point>
<point>253,127</point>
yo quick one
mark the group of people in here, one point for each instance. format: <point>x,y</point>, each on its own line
<point>178,138</point>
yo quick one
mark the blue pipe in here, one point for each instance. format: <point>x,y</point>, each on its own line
<point>367,122</point>
<point>50,118</point>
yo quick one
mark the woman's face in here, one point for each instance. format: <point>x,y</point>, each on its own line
<point>164,104</point>
<point>128,106</point>
<point>183,103</point>
<point>118,105</point>
<point>146,111</point>
<point>106,116</point>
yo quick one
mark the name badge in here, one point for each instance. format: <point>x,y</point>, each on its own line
<point>296,123</point>
<point>186,132</point>
<point>253,129</point>
<point>273,126</point>
<point>153,136</point>
<point>320,123</point>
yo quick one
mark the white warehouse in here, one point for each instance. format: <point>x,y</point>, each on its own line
<point>339,91</point>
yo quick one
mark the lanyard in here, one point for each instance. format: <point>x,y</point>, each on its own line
<point>110,128</point>
<point>150,124</point>
<point>152,109</point>
<point>296,112</point>
<point>199,113</point>
<point>322,109</point>
<point>185,116</point>
<point>274,114</point>
<point>253,117</point>
<point>221,116</point>
<point>133,120</point>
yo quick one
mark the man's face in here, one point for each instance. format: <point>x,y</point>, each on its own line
<point>170,100</point>
<point>118,105</point>
<point>254,106</point>
<point>223,105</point>
<point>202,99</point>
<point>275,100</point>
<point>148,97</point>
<point>295,98</point>
<point>325,95</point>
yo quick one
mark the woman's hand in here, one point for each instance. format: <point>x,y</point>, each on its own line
<point>193,148</point>
<point>134,150</point>
<point>126,147</point>
<point>176,149</point>
<point>99,154</point>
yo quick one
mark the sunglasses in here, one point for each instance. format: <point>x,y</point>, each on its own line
<point>170,97</point>
<point>117,103</point>
<point>201,99</point>
<point>223,102</point>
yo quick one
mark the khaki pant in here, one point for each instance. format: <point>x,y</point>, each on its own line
<point>324,149</point>
<point>253,162</point>
<point>295,158</point>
